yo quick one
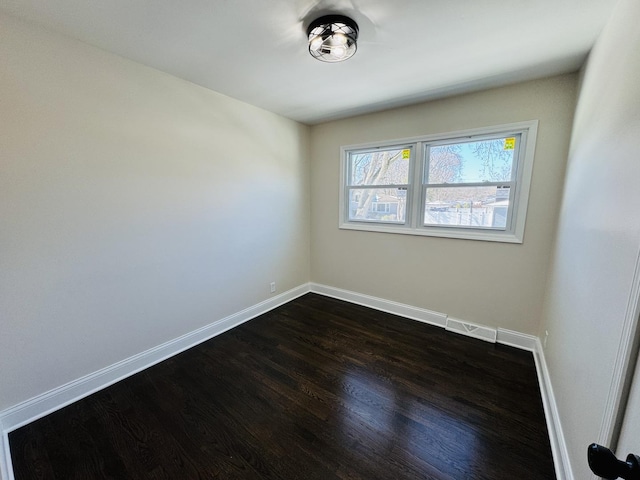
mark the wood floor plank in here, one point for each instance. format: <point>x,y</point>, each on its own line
<point>315,389</point>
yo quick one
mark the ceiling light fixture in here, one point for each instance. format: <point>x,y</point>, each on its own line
<point>332,38</point>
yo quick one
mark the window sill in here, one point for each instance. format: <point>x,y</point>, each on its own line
<point>488,236</point>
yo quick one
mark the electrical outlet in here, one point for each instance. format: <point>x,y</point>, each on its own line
<point>546,336</point>
<point>272,285</point>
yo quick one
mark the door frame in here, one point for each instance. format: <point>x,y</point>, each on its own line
<point>626,359</point>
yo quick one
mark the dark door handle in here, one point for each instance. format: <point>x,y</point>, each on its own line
<point>604,463</point>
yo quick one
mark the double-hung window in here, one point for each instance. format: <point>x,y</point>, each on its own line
<point>470,184</point>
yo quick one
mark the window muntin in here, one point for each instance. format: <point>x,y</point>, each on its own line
<point>378,180</point>
<point>470,184</point>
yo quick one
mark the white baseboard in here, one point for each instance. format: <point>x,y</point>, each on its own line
<point>554,426</point>
<point>503,336</point>
<point>519,340</point>
<point>41,405</point>
<point>57,398</point>
<point>400,309</point>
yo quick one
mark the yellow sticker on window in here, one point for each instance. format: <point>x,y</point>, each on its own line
<point>509,143</point>
<point>406,154</point>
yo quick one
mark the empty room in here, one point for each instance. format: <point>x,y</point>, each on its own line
<point>319,239</point>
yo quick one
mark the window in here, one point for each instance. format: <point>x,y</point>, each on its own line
<point>378,183</point>
<point>471,184</point>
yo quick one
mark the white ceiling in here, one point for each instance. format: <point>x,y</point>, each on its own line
<point>408,51</point>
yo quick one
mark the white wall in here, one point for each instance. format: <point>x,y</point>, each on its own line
<point>495,284</point>
<point>598,239</point>
<point>134,207</point>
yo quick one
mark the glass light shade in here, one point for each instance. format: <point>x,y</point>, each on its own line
<point>333,38</point>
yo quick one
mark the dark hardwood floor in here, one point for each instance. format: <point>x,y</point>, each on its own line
<point>316,389</point>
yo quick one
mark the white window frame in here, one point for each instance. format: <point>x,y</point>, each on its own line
<point>519,191</point>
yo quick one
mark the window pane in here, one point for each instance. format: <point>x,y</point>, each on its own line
<point>382,167</point>
<point>467,206</point>
<point>472,162</point>
<point>378,204</point>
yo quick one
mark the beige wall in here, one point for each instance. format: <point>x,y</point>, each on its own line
<point>135,207</point>
<point>598,238</point>
<point>494,284</point>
